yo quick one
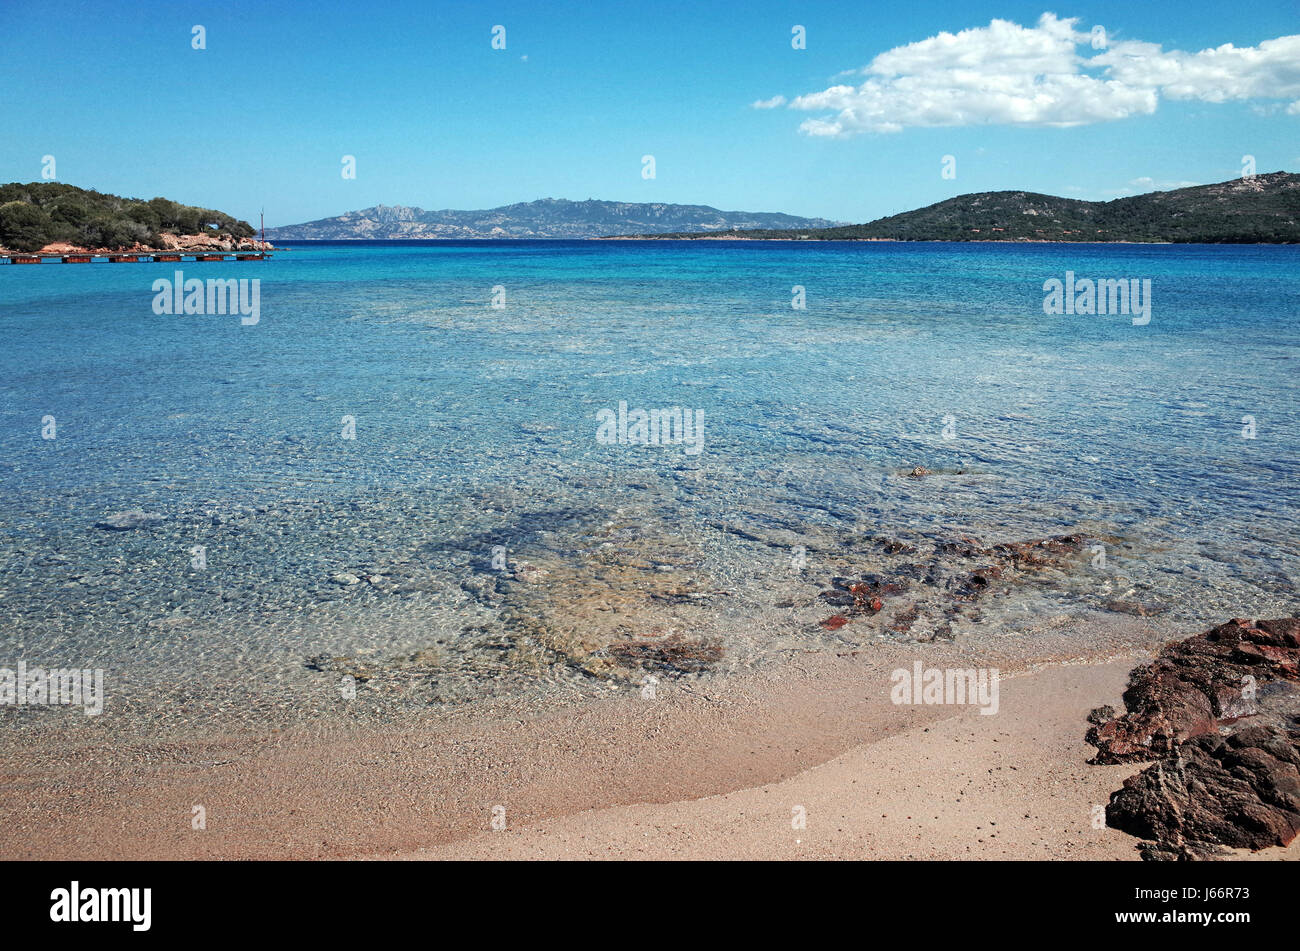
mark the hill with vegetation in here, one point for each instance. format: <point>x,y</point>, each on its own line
<point>45,213</point>
<point>1262,209</point>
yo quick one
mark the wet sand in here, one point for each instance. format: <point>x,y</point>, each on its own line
<point>1012,786</point>
<point>708,769</point>
<point>966,787</point>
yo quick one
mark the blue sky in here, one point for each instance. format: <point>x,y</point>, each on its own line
<point>437,118</point>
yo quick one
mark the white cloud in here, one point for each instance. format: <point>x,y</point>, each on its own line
<point>1268,71</point>
<point>1007,74</point>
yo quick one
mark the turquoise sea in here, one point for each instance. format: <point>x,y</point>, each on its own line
<point>388,478</point>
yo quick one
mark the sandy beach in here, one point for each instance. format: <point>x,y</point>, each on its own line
<point>706,770</point>
<point>960,787</point>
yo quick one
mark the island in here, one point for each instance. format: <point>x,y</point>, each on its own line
<point>1259,209</point>
<point>51,218</point>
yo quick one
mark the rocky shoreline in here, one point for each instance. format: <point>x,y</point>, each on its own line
<point>183,243</point>
<point>1218,716</point>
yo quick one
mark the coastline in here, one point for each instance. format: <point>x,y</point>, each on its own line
<point>179,244</point>
<point>709,769</point>
<point>225,684</point>
<point>614,435</point>
<point>963,786</point>
<point>719,237</point>
<point>959,788</point>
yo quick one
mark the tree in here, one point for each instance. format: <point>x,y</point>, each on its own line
<point>69,211</point>
<point>144,214</point>
<point>24,227</point>
<point>168,212</point>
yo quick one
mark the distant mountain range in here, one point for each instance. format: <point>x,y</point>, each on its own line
<point>546,218</point>
<point>1262,209</point>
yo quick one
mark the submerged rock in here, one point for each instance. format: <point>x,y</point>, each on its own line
<point>1041,552</point>
<point>1219,715</point>
<point>672,656</point>
<point>1136,608</point>
<point>944,588</point>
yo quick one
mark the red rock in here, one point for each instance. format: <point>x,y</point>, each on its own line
<point>1217,714</point>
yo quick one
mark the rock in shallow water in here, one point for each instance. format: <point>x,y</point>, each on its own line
<point>946,586</point>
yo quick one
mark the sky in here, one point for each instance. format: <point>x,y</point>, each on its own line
<point>853,126</point>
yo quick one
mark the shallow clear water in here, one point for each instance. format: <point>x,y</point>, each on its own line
<point>476,427</point>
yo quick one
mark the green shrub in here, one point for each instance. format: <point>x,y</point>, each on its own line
<point>40,213</point>
<point>24,227</point>
<point>145,215</point>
